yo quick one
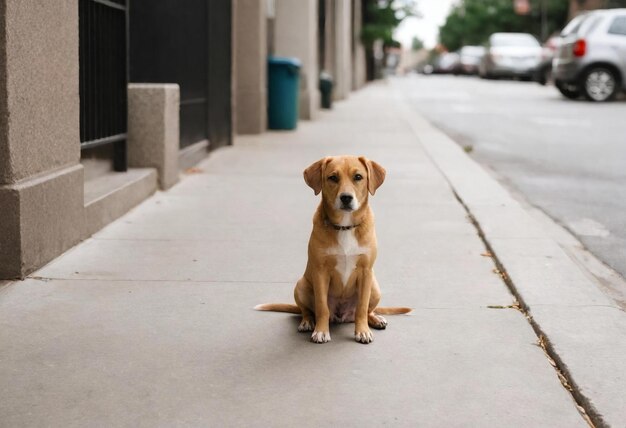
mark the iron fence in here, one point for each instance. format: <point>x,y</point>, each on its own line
<point>103,59</point>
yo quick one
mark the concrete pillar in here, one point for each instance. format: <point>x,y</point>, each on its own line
<point>295,35</point>
<point>250,70</point>
<point>41,179</point>
<point>153,129</point>
<point>358,50</point>
<point>342,72</point>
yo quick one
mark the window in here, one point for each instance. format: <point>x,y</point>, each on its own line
<point>618,26</point>
<point>513,39</point>
<point>589,25</point>
<point>574,25</point>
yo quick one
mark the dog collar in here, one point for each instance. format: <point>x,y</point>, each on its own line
<point>338,227</point>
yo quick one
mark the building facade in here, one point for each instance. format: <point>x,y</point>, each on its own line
<point>102,102</point>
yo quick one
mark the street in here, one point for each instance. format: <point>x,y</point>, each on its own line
<point>568,158</point>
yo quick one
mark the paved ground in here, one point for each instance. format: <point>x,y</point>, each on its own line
<point>149,323</point>
<point>566,157</point>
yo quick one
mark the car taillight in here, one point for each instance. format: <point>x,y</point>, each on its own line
<point>579,48</point>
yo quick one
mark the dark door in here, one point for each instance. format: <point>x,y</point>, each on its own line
<point>177,42</point>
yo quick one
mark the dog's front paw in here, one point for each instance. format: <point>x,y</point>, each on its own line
<point>363,336</point>
<point>306,325</point>
<point>320,337</point>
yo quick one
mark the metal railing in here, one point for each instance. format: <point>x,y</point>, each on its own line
<point>103,59</point>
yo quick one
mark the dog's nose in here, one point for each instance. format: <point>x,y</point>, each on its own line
<point>346,199</point>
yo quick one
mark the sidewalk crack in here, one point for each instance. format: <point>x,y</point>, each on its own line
<point>586,409</point>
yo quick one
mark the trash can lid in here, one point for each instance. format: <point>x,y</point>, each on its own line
<point>280,60</point>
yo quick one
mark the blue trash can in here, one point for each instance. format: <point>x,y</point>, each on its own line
<point>283,75</point>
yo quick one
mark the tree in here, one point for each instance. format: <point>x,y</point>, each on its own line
<point>380,18</point>
<point>416,44</point>
<point>471,22</point>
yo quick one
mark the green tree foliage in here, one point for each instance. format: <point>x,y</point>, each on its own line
<point>381,17</point>
<point>416,44</point>
<point>472,21</point>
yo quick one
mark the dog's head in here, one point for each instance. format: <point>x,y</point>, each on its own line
<point>344,181</point>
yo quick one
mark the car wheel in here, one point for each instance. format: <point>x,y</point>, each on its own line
<point>568,91</point>
<point>599,84</point>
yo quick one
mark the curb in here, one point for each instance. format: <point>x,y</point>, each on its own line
<point>583,330</point>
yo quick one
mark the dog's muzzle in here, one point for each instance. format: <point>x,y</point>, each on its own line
<point>346,202</point>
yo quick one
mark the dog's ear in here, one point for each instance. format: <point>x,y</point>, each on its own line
<point>313,175</point>
<point>375,174</point>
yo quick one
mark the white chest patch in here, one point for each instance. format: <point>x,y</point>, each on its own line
<point>346,253</point>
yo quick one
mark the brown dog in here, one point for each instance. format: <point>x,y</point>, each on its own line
<point>339,283</point>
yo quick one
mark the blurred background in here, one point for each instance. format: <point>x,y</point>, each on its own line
<point>532,89</point>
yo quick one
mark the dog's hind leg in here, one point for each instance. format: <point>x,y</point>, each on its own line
<point>303,295</point>
<point>374,320</point>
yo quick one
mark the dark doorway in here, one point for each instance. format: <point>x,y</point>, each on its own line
<point>188,43</point>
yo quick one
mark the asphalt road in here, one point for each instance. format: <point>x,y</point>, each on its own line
<point>566,157</point>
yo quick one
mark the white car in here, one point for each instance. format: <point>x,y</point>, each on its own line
<point>511,55</point>
<point>591,59</point>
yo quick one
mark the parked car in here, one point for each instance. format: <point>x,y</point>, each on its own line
<point>446,63</point>
<point>510,55</point>
<point>543,73</point>
<point>469,59</point>
<point>591,59</point>
<point>426,69</point>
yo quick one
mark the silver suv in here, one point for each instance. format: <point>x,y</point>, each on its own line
<point>591,59</point>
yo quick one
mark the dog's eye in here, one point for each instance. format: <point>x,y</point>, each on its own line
<point>358,177</point>
<point>334,178</point>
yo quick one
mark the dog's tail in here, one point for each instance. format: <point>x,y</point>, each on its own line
<point>293,309</point>
<point>392,310</point>
<point>278,307</point>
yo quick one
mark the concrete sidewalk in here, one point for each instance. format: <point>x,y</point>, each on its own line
<point>150,322</point>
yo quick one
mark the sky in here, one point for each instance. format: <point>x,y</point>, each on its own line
<point>434,14</point>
